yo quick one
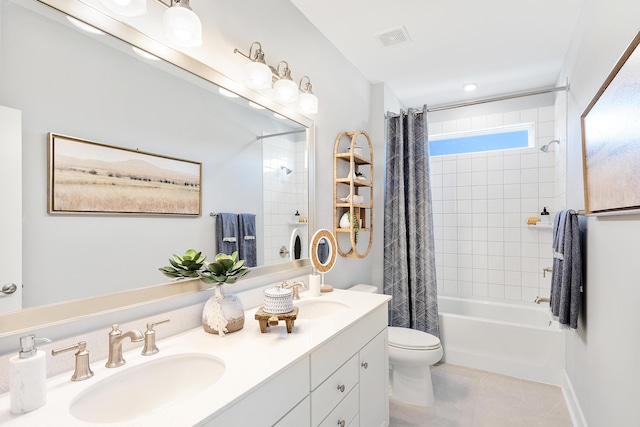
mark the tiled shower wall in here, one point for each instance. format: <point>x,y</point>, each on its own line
<point>481,202</point>
<point>284,194</point>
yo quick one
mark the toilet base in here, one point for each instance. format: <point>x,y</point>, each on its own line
<point>412,385</point>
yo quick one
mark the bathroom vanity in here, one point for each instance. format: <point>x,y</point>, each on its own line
<point>332,365</point>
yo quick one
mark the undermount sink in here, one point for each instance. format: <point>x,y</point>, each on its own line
<point>137,391</point>
<point>318,308</point>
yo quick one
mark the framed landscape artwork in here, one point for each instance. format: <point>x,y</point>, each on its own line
<point>90,177</point>
<point>611,139</point>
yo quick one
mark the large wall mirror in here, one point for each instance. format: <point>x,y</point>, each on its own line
<point>95,87</point>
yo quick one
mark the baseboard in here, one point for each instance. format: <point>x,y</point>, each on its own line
<point>575,411</point>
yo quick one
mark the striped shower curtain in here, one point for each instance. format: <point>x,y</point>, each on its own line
<point>409,256</point>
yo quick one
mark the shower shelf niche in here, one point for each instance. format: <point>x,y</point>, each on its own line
<point>349,160</point>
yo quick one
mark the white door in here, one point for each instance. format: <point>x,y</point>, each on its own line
<point>10,209</point>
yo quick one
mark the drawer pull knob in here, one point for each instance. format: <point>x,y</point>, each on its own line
<point>341,423</point>
<point>341,388</point>
<point>365,365</point>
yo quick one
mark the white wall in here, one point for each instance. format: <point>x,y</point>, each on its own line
<point>601,357</point>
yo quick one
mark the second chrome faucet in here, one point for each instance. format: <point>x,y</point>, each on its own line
<point>116,336</point>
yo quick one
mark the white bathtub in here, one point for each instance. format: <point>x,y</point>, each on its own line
<point>515,339</point>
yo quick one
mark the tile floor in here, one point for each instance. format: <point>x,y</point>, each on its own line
<point>468,397</point>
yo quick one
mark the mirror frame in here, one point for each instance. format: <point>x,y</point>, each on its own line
<point>54,314</point>
<point>323,233</point>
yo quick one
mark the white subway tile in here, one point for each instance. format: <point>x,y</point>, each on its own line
<point>463,165</point>
<point>479,192</point>
<point>512,205</point>
<point>449,193</point>
<point>450,233</point>
<point>479,206</point>
<point>529,206</point>
<point>465,247</point>
<point>465,289</point>
<point>480,290</point>
<point>512,176</point>
<point>495,262</point>
<point>463,124</point>
<point>495,206</point>
<point>478,178</point>
<point>450,246</point>
<point>511,235</point>
<point>464,179</point>
<point>529,294</point>
<point>450,273</point>
<point>480,233</point>
<point>449,126</point>
<point>496,277</point>
<point>480,275</point>
<point>513,293</point>
<point>479,220</point>
<point>544,130</point>
<point>513,220</point>
<point>480,261</point>
<point>495,191</point>
<point>479,247</point>
<point>450,287</point>
<point>512,191</point>
<point>465,220</point>
<point>464,206</point>
<point>495,177</point>
<point>464,193</point>
<point>529,250</point>
<point>465,233</point>
<point>449,179</point>
<point>528,161</point>
<point>495,163</point>
<point>512,161</point>
<point>449,166</point>
<point>479,165</point>
<point>546,114</point>
<point>529,264</point>
<point>512,278</point>
<point>529,190</point>
<point>465,261</point>
<point>529,116</point>
<point>512,263</point>
<point>496,234</point>
<point>494,120</point>
<point>465,274</point>
<point>529,279</point>
<point>529,176</point>
<point>479,122</point>
<point>511,118</point>
<point>495,248</point>
<point>496,291</point>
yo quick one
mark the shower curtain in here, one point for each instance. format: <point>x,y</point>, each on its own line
<point>409,256</point>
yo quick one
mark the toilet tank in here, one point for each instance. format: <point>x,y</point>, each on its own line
<point>364,288</point>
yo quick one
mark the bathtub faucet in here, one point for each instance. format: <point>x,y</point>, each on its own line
<point>538,300</point>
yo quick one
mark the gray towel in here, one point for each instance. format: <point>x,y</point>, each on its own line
<point>566,278</point>
<point>226,233</point>
<point>247,245</point>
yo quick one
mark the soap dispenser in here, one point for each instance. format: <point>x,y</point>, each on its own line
<point>28,376</point>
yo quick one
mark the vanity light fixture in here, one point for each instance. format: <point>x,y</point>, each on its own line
<point>181,25</point>
<point>286,90</point>
<point>256,106</point>
<point>307,101</point>
<point>128,8</point>
<point>258,75</point>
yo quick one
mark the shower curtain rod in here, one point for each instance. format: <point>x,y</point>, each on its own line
<point>487,100</point>
<point>280,134</point>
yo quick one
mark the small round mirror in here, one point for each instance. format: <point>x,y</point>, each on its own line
<point>322,250</point>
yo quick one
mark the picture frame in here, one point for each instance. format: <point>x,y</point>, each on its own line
<point>611,140</point>
<point>88,177</point>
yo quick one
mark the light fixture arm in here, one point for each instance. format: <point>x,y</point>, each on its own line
<point>307,87</point>
<point>258,55</point>
<point>285,73</point>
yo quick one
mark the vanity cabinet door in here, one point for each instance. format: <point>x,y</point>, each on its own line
<point>374,382</point>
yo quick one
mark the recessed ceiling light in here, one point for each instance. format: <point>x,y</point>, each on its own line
<point>470,87</point>
<point>84,27</point>
<point>227,93</point>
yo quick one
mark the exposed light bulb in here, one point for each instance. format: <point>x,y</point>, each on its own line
<point>145,54</point>
<point>227,93</point>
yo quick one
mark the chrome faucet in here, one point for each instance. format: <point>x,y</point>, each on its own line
<point>115,345</point>
<point>295,286</point>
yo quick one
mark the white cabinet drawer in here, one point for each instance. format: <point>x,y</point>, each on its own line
<point>330,356</point>
<point>333,390</point>
<point>346,411</point>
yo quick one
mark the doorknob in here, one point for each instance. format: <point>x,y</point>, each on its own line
<point>9,288</point>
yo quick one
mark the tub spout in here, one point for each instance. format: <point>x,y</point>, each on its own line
<point>538,300</point>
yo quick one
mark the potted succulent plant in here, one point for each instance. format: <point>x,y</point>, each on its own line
<point>222,313</point>
<point>185,266</point>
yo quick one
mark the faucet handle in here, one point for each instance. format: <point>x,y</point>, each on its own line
<point>150,338</point>
<point>82,369</point>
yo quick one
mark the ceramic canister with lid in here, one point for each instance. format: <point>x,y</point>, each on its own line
<point>278,300</point>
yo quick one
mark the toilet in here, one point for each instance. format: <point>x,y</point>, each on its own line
<point>411,354</point>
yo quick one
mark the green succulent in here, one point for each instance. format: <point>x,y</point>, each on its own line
<point>225,269</point>
<point>188,265</point>
<point>356,225</point>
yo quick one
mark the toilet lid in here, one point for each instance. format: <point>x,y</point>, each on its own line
<point>412,339</point>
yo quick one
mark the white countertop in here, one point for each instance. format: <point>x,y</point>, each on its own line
<point>250,359</point>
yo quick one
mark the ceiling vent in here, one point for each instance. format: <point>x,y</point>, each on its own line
<point>394,36</point>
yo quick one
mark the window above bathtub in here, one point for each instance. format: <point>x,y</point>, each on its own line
<point>480,140</point>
